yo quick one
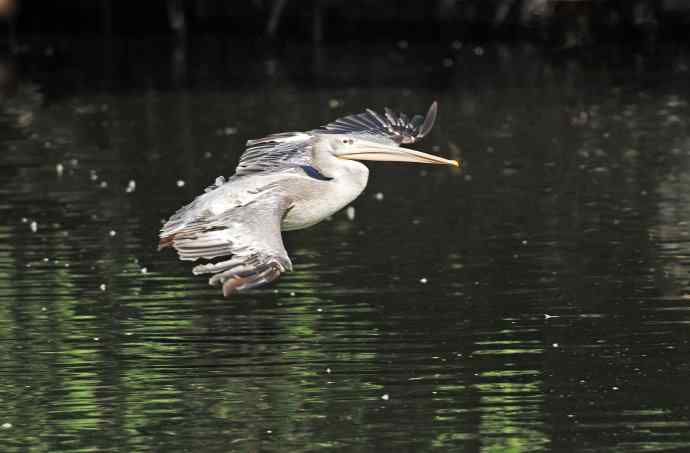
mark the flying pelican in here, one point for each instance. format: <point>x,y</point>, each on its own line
<point>287,181</point>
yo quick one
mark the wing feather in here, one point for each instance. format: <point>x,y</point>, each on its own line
<point>291,149</point>
<point>249,234</point>
<point>394,126</point>
<point>275,152</point>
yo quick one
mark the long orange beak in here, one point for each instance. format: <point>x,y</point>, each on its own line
<point>379,152</point>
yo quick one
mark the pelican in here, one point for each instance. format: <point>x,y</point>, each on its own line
<point>287,181</point>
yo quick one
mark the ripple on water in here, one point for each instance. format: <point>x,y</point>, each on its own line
<point>538,300</point>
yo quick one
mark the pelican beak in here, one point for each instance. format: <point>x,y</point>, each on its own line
<point>377,151</point>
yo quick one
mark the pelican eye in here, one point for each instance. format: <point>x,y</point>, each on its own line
<point>348,141</point>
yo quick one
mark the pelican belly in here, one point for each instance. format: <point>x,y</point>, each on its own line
<point>320,199</point>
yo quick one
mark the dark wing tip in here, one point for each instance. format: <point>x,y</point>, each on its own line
<point>238,283</point>
<point>247,275</point>
<point>165,242</point>
<point>396,126</point>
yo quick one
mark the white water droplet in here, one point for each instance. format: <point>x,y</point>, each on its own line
<point>385,397</point>
<point>378,196</point>
<point>103,287</point>
<point>180,183</point>
<point>131,186</point>
<point>59,169</point>
<point>34,226</point>
<point>350,213</point>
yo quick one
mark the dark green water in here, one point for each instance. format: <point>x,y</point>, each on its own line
<point>536,300</point>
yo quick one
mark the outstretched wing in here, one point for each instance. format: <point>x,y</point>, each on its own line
<point>395,126</point>
<point>290,149</point>
<point>275,152</point>
<point>249,234</point>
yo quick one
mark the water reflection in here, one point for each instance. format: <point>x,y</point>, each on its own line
<point>536,300</point>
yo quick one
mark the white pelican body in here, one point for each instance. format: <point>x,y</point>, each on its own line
<point>322,199</point>
<point>285,182</point>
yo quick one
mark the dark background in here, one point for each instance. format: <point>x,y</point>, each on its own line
<point>535,299</point>
<point>560,22</point>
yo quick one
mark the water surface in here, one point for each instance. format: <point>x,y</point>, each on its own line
<point>538,299</point>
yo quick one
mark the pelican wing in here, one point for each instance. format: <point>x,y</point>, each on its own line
<point>275,152</point>
<point>249,235</point>
<point>395,126</point>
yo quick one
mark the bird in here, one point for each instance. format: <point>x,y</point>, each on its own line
<point>287,181</point>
